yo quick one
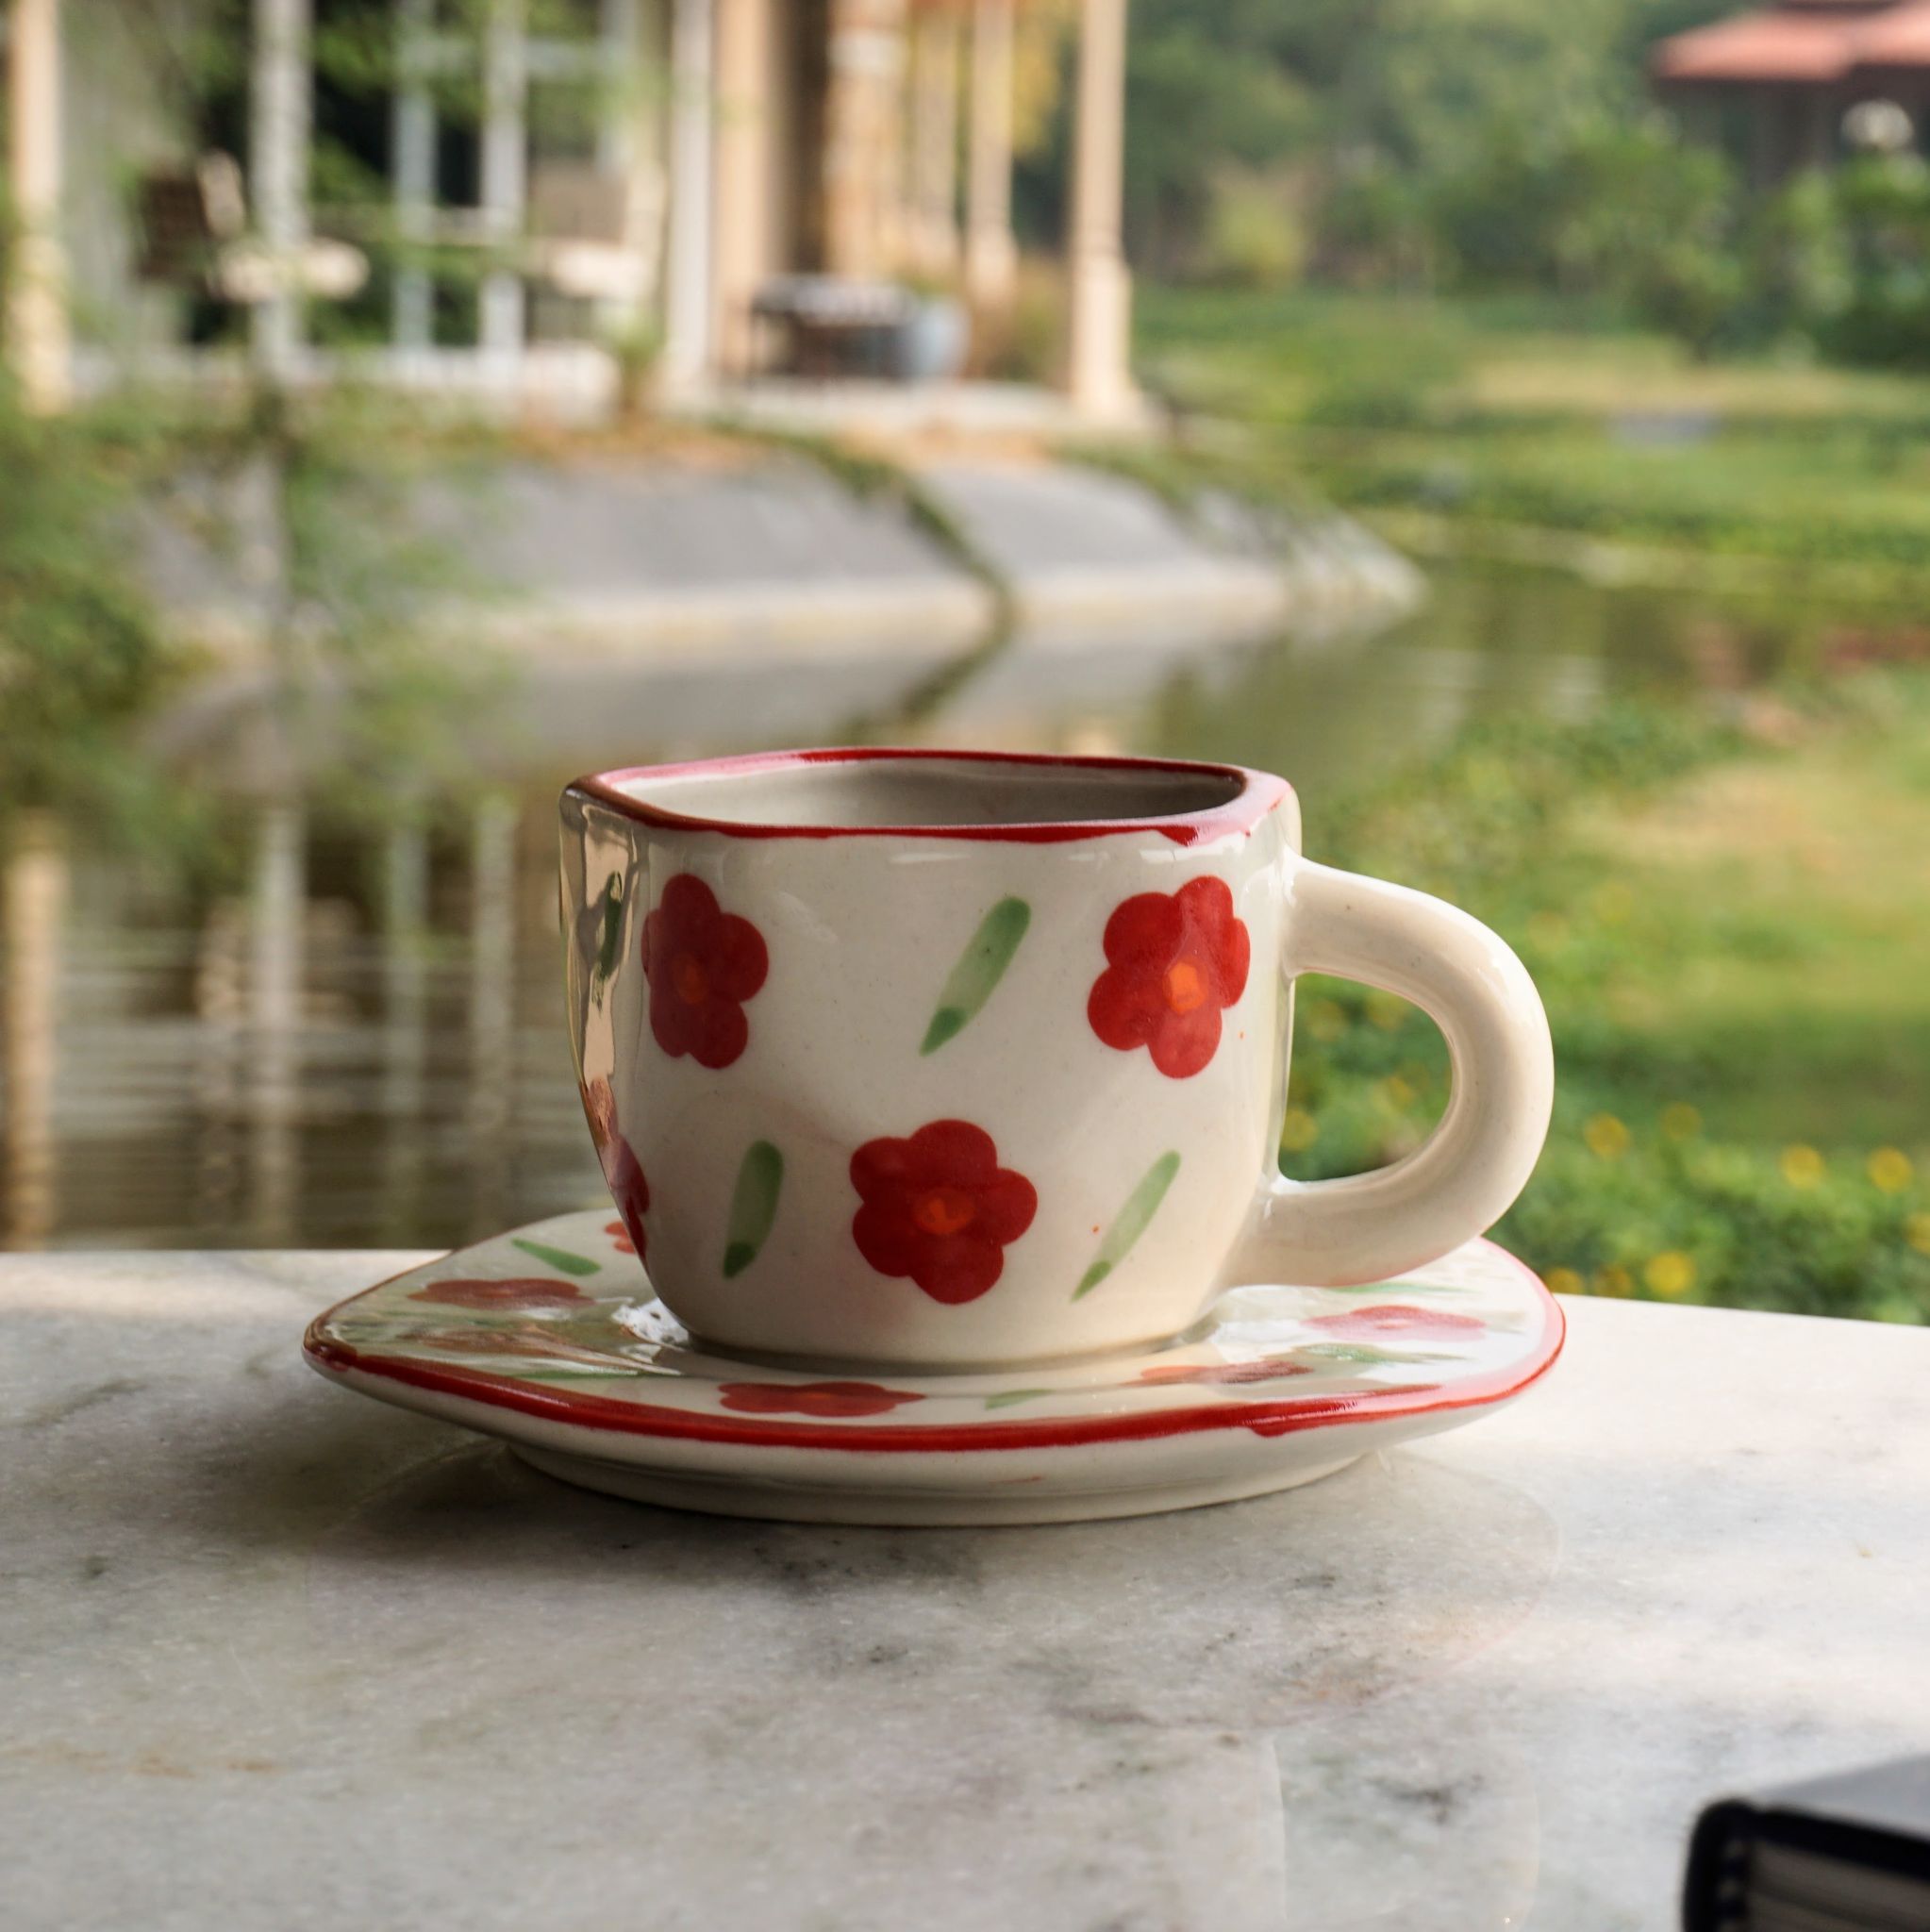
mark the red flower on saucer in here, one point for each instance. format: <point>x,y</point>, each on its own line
<point>1223,1374</point>
<point>523,1293</point>
<point>1176,962</point>
<point>940,1208</point>
<point>620,1238</point>
<point>622,1172</point>
<point>836,1399</point>
<point>1391,1318</point>
<point>703,963</point>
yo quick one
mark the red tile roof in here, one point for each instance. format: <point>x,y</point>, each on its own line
<point>1796,44</point>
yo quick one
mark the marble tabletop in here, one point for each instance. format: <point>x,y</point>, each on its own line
<point>274,1656</point>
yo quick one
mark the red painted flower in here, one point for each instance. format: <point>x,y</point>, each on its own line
<point>1175,961</point>
<point>536,1292</point>
<point>811,1398</point>
<point>1223,1373</point>
<point>628,1189</point>
<point>703,964</point>
<point>620,1238</point>
<point>622,1172</point>
<point>1391,1318</point>
<point>940,1208</point>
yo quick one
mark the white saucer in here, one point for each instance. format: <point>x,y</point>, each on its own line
<point>550,1337</point>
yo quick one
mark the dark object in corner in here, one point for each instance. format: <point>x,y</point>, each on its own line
<point>1843,1854</point>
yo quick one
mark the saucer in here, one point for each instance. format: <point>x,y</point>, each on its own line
<point>551,1338</point>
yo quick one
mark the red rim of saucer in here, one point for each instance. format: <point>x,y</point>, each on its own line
<point>1259,794</point>
<point>342,1360</point>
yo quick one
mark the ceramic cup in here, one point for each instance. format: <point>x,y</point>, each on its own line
<point>939,1059</point>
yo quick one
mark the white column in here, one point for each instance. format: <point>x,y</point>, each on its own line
<point>686,267</point>
<point>863,133</point>
<point>934,127</point>
<point>279,112</point>
<point>37,324</point>
<point>412,136</point>
<point>36,900</point>
<point>504,174</point>
<point>1099,290</point>
<point>992,259</point>
<point>740,223</point>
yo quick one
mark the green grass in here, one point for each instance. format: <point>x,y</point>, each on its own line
<point>1481,421</point>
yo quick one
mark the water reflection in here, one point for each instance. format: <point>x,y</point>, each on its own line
<point>363,1045</point>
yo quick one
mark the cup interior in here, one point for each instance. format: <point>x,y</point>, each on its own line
<point>924,790</point>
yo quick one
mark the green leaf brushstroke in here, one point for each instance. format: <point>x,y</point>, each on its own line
<point>980,968</point>
<point>1005,1397</point>
<point>558,1257</point>
<point>1130,1222</point>
<point>752,1205</point>
<point>610,941</point>
<point>1366,1353</point>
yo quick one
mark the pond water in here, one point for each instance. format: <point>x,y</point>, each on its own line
<point>367,1049</point>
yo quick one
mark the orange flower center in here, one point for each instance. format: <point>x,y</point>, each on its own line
<point>944,1210</point>
<point>691,982</point>
<point>1184,987</point>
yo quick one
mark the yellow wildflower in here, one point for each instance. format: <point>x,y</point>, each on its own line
<point>1681,1122</point>
<point>1606,1137</point>
<point>1298,1130</point>
<point>1671,1274</point>
<point>1802,1166</point>
<point>1889,1169</point>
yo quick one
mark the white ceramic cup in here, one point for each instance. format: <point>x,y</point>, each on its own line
<point>936,1060</point>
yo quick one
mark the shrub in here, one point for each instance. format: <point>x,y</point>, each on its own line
<point>81,657</point>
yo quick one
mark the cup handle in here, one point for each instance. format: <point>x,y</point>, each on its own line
<point>1369,1226</point>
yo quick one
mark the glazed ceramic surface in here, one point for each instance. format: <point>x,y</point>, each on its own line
<point>552,1337</point>
<point>943,1059</point>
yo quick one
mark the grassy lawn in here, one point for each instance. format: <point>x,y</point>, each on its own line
<point>1780,913</point>
<point>1461,425</point>
<point>1723,891</point>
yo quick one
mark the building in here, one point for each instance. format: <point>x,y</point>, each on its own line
<point>1799,82</point>
<point>611,172</point>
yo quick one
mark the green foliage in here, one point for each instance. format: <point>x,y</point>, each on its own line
<point>1187,76</point>
<point>374,689</point>
<point>1647,221</point>
<point>1858,248</point>
<point>81,660</point>
<point>1635,1193</point>
<point>1489,144</point>
<point>1467,141</point>
<point>1254,233</point>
